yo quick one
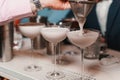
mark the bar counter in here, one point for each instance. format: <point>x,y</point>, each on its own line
<point>14,69</point>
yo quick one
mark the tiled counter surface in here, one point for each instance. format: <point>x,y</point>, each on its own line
<point>14,69</point>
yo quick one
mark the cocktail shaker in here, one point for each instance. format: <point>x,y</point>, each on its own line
<point>50,46</point>
<point>39,42</point>
<point>6,42</point>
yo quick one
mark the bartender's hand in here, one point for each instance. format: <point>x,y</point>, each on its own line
<point>56,4</point>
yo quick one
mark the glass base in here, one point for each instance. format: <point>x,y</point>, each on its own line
<point>62,62</point>
<point>55,75</point>
<point>32,68</point>
<point>90,56</point>
<point>85,78</point>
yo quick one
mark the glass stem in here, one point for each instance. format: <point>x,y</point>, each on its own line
<point>59,53</point>
<point>82,61</point>
<point>32,50</point>
<point>54,53</point>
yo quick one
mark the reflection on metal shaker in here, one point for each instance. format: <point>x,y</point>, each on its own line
<point>50,50</point>
<point>39,42</point>
<point>6,42</point>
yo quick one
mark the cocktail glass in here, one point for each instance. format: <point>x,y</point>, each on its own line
<point>83,41</point>
<point>54,35</point>
<point>31,30</point>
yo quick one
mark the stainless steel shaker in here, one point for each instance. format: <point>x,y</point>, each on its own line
<point>39,42</point>
<point>6,42</point>
<point>50,46</point>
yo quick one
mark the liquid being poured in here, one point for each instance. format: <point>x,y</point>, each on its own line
<point>81,24</point>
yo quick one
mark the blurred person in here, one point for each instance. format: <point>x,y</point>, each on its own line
<point>16,9</point>
<point>105,16</point>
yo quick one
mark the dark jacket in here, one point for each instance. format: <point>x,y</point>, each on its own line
<point>112,34</point>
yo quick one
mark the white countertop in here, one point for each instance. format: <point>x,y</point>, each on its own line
<point>14,69</point>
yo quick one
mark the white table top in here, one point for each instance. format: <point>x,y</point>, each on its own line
<point>14,69</point>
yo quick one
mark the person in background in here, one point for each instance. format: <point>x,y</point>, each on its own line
<point>105,16</point>
<point>16,9</point>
